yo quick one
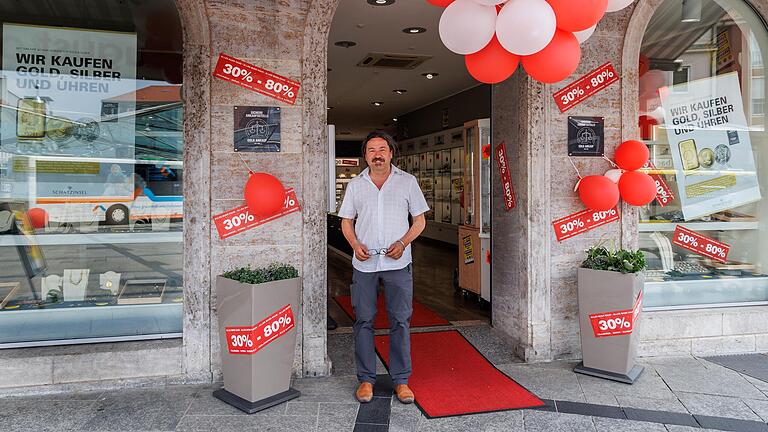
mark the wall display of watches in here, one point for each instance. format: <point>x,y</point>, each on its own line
<point>436,170</point>
<point>75,284</point>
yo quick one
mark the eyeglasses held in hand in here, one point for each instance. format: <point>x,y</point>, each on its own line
<point>377,251</point>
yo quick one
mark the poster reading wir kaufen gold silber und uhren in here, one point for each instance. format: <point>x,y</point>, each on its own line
<point>710,145</point>
<point>68,114</point>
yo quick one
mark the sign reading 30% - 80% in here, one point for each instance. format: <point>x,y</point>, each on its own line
<point>700,244</point>
<point>582,222</point>
<point>255,78</point>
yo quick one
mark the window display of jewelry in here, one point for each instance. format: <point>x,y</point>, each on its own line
<point>75,284</point>
<point>142,291</point>
<point>110,281</point>
<point>50,283</point>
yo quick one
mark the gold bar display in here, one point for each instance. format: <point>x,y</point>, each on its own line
<point>21,164</point>
<point>709,186</point>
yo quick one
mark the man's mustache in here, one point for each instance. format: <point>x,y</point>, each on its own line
<point>378,159</point>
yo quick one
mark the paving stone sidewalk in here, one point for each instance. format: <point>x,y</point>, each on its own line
<point>674,394</point>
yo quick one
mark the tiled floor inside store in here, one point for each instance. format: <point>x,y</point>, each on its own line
<point>675,394</point>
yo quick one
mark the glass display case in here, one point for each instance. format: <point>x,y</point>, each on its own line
<point>475,231</point>
<point>477,175</point>
<point>346,170</point>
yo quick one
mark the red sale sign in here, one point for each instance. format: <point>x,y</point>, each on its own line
<point>239,219</point>
<point>583,221</point>
<point>250,340</point>
<point>664,194</point>
<point>700,244</point>
<point>257,79</point>
<point>586,86</point>
<point>616,323</point>
<point>506,178</point>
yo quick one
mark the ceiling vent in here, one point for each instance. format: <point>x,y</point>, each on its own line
<point>393,61</point>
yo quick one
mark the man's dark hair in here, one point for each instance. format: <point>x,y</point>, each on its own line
<point>383,135</point>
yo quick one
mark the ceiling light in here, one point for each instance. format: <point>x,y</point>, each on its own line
<point>400,91</point>
<point>394,119</point>
<point>430,75</point>
<point>345,44</point>
<point>377,103</point>
<point>691,11</point>
<point>380,2</point>
<point>414,30</point>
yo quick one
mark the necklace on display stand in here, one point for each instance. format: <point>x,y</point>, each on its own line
<point>75,286</point>
<point>82,272</point>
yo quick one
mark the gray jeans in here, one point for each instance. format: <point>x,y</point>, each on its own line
<point>398,293</point>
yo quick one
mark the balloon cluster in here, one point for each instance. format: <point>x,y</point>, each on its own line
<point>635,188</point>
<point>544,35</point>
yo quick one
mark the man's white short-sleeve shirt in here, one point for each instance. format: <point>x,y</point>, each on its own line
<point>382,215</point>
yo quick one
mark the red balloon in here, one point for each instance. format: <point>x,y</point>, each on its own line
<point>637,188</point>
<point>492,64</point>
<point>440,3</point>
<point>643,65</point>
<point>631,155</point>
<point>264,194</point>
<point>38,217</point>
<point>557,61</point>
<point>598,192</point>
<point>578,15</point>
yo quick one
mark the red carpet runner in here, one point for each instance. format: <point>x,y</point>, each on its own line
<point>450,377</point>
<point>422,315</point>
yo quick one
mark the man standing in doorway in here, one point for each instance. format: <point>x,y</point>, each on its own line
<point>381,198</point>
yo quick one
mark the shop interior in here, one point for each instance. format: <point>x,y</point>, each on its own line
<point>388,71</point>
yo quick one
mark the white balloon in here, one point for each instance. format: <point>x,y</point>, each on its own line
<point>614,174</point>
<point>466,27</point>
<point>585,34</point>
<point>614,5</point>
<point>490,2</point>
<point>525,27</point>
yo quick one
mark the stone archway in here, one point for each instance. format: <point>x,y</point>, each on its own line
<point>197,340</point>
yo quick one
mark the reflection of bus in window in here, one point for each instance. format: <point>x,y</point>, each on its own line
<point>115,179</point>
<point>148,190</point>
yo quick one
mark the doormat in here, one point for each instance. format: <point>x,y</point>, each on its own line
<point>754,365</point>
<point>422,315</point>
<point>451,377</point>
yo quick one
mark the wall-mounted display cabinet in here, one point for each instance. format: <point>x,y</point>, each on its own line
<point>437,162</point>
<point>474,235</point>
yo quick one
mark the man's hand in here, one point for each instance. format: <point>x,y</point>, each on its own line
<point>395,250</point>
<point>361,252</point>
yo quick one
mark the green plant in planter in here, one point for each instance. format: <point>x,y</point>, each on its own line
<point>618,260</point>
<point>274,272</point>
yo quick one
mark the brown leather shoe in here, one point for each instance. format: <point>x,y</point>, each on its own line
<point>364,392</point>
<point>404,394</point>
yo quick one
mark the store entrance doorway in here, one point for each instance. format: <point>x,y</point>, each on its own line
<point>388,71</point>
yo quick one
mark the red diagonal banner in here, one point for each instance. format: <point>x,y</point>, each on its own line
<point>239,219</point>
<point>251,339</point>
<point>506,178</point>
<point>257,79</point>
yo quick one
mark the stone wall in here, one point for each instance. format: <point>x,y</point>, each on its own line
<point>272,35</point>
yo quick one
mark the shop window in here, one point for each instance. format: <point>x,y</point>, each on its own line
<point>702,116</point>
<point>91,171</point>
